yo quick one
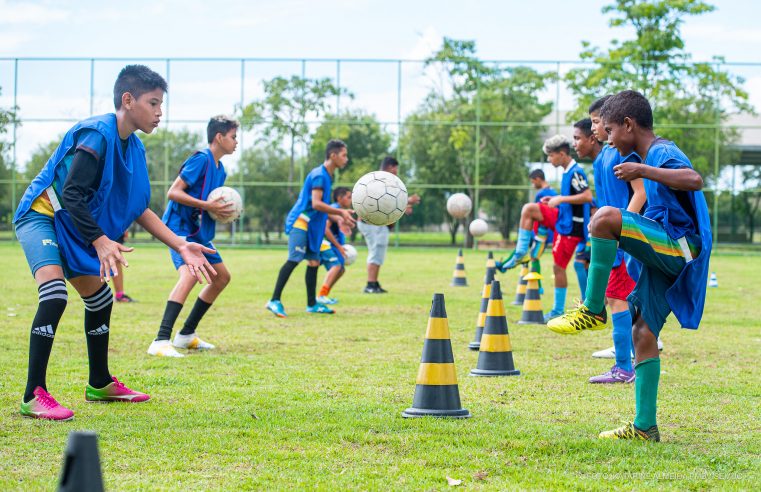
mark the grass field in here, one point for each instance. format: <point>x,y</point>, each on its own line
<point>314,402</point>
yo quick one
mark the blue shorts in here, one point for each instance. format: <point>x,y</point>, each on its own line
<point>661,260</point>
<point>36,234</point>
<point>212,259</point>
<point>298,247</point>
<point>331,258</point>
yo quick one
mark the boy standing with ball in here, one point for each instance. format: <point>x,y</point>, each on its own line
<point>188,214</point>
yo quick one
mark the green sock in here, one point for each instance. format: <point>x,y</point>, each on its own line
<point>600,265</point>
<point>646,392</point>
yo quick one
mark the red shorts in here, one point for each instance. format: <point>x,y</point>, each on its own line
<point>550,216</point>
<point>620,284</point>
<point>564,248</point>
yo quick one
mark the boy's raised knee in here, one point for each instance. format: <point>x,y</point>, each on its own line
<point>606,219</point>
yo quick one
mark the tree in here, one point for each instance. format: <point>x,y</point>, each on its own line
<point>656,63</point>
<point>7,118</point>
<point>282,113</point>
<point>366,141</point>
<point>440,138</point>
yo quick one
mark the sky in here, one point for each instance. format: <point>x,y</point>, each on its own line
<point>349,29</point>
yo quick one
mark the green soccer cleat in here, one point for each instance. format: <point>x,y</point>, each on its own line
<point>629,431</point>
<point>578,320</point>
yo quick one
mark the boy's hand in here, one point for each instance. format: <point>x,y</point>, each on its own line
<point>629,171</point>
<point>553,201</point>
<point>346,215</point>
<point>219,207</point>
<point>413,199</point>
<point>342,251</point>
<point>109,254</point>
<point>198,265</point>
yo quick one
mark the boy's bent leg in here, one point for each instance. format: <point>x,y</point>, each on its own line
<point>98,300</point>
<point>187,338</point>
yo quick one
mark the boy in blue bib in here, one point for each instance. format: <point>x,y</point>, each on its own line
<point>305,226</point>
<point>333,258</point>
<point>89,192</point>
<point>187,215</point>
<point>672,241</point>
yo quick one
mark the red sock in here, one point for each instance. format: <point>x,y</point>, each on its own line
<point>324,290</point>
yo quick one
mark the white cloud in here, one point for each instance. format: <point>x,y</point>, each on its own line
<point>29,13</point>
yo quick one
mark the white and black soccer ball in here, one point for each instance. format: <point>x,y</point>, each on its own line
<point>229,195</point>
<point>459,205</point>
<point>351,254</point>
<point>379,198</point>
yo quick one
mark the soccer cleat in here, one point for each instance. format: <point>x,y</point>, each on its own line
<point>319,309</point>
<point>615,375</point>
<point>277,308</point>
<point>163,348</point>
<point>115,391</point>
<point>327,300</point>
<point>629,431</point>
<point>380,289</point>
<point>124,298</point>
<point>610,353</point>
<point>44,406</point>
<point>512,261</point>
<point>192,342</point>
<point>578,320</point>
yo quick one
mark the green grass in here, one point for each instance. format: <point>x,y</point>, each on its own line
<point>314,402</point>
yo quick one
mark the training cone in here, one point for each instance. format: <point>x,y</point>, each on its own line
<point>532,305</point>
<point>520,291</point>
<point>495,357</point>
<point>436,390</point>
<point>81,464</point>
<point>458,277</point>
<point>490,263</point>
<point>713,281</point>
<point>476,343</point>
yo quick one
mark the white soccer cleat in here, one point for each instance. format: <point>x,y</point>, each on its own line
<point>610,353</point>
<point>163,348</point>
<point>191,342</point>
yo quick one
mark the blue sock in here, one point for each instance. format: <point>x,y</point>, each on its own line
<point>581,274</point>
<point>524,239</point>
<point>622,339</point>
<point>559,306</point>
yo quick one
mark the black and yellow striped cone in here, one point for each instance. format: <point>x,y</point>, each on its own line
<point>458,277</point>
<point>476,343</point>
<point>520,291</point>
<point>436,391</point>
<point>495,357</point>
<point>490,263</point>
<point>532,305</point>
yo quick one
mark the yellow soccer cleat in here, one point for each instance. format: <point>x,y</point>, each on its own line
<point>578,320</point>
<point>629,431</point>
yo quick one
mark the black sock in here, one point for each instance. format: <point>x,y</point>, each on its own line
<point>311,280</point>
<point>97,320</point>
<point>199,309</point>
<point>282,278</point>
<point>171,312</point>
<point>52,303</point>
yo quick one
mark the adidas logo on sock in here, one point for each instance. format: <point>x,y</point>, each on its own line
<point>101,330</point>
<point>43,331</point>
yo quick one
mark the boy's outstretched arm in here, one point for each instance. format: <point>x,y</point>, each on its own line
<point>684,178</point>
<point>191,253</point>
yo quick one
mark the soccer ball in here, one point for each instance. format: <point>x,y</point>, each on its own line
<point>478,227</point>
<point>379,198</point>
<point>351,254</point>
<point>228,195</point>
<point>459,205</point>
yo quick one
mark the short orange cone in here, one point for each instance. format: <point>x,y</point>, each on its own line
<point>436,391</point>
<point>481,320</point>
<point>495,357</point>
<point>532,305</point>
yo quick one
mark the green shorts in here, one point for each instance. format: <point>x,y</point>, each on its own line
<point>662,258</point>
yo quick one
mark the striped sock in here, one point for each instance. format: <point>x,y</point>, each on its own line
<point>52,303</point>
<point>97,320</point>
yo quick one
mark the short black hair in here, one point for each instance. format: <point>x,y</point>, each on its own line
<point>536,173</point>
<point>339,192</point>
<point>585,126</point>
<point>388,162</point>
<point>137,80</point>
<point>597,105</point>
<point>333,146</point>
<point>628,104</point>
<point>220,124</point>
